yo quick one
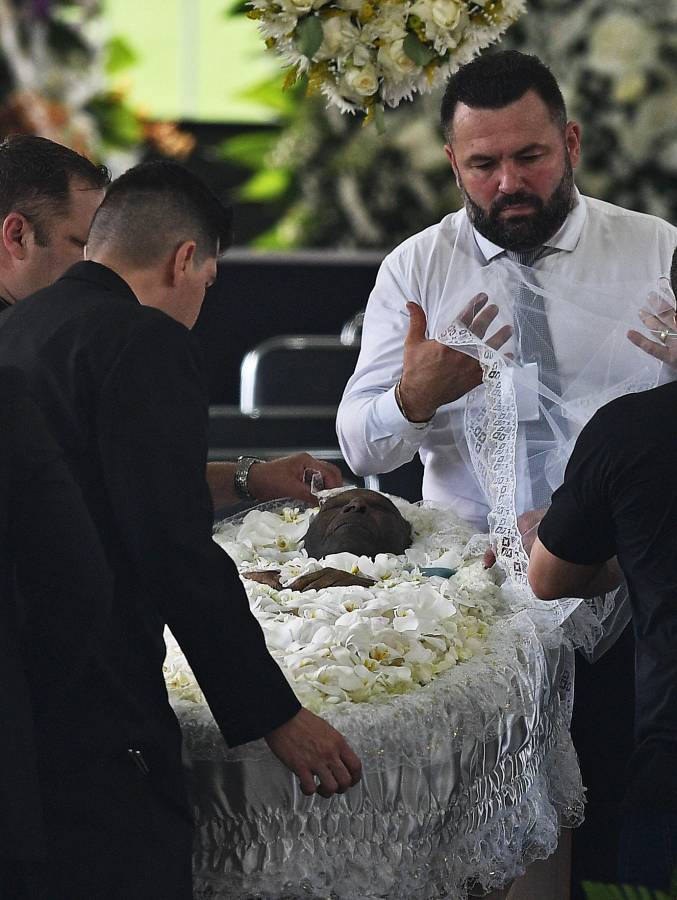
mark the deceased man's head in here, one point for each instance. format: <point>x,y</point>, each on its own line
<point>357,521</point>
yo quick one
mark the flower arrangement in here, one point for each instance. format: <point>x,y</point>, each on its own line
<point>367,54</point>
<point>360,644</point>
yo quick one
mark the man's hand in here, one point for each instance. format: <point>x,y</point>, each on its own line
<point>311,748</point>
<point>528,524</point>
<point>287,477</point>
<point>433,374</point>
<point>329,577</point>
<point>661,323</point>
<point>284,477</point>
<point>271,577</point>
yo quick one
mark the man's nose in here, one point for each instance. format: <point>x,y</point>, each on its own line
<point>510,179</point>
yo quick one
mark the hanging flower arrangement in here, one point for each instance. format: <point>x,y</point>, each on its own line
<point>364,55</point>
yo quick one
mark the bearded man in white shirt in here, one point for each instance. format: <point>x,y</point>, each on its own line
<point>513,153</point>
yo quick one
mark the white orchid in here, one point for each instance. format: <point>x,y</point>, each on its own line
<point>356,644</point>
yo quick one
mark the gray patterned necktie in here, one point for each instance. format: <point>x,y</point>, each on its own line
<point>533,338</point>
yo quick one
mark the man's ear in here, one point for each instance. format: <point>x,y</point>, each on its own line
<point>451,156</point>
<point>15,231</point>
<point>572,139</point>
<point>182,260</point>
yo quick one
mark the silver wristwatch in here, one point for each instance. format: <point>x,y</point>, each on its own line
<point>241,478</point>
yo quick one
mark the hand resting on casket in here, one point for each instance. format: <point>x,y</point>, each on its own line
<point>312,581</point>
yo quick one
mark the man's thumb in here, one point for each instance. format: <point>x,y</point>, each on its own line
<point>417,323</point>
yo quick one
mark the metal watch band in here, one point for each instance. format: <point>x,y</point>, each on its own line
<point>241,477</point>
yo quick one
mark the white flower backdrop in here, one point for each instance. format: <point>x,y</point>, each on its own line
<point>337,184</point>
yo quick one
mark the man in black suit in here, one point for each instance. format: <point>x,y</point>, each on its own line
<point>51,623</point>
<point>109,356</point>
<point>48,197</point>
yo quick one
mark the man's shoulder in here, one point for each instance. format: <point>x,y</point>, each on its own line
<point>633,417</point>
<point>91,309</point>
<point>443,232</point>
<point>630,219</point>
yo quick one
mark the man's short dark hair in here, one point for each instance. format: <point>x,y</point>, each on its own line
<point>35,179</point>
<point>156,206</point>
<point>498,79</point>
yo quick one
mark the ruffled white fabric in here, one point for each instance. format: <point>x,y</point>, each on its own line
<point>466,777</point>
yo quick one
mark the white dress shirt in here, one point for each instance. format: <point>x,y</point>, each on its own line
<point>439,268</point>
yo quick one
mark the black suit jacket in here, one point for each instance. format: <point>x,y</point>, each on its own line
<point>55,598</point>
<point>123,389</point>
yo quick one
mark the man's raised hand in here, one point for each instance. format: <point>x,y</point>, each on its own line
<point>663,324</point>
<point>312,749</point>
<point>433,374</point>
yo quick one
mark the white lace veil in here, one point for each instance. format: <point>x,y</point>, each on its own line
<point>516,463</point>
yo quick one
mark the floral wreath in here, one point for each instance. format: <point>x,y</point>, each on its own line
<point>367,54</point>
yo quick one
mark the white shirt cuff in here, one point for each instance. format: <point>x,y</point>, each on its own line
<point>392,420</point>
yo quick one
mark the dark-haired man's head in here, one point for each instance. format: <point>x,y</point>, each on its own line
<point>511,148</point>
<point>357,521</point>
<point>48,197</point>
<point>162,230</point>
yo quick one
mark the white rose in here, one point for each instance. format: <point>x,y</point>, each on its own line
<point>423,9</point>
<point>395,62</point>
<point>361,54</point>
<point>340,36</point>
<point>621,43</point>
<point>446,13</point>
<point>298,7</point>
<point>361,81</point>
<point>389,26</point>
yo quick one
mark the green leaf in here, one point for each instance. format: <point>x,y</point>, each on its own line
<point>118,124</point>
<point>119,55</point>
<point>269,93</point>
<point>237,8</point>
<point>248,150</point>
<point>309,35</point>
<point>270,184</point>
<point>379,119</point>
<point>417,51</point>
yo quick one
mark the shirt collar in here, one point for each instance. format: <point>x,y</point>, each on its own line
<point>4,304</point>
<point>566,238</point>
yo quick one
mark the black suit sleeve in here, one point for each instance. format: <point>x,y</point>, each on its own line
<point>153,444</point>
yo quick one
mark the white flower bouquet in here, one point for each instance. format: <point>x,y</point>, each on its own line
<point>367,54</point>
<point>360,644</point>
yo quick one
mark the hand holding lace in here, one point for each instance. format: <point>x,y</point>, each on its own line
<point>433,374</point>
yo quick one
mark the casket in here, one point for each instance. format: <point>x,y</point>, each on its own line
<point>466,780</point>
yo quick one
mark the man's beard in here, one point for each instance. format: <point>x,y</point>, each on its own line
<point>521,233</point>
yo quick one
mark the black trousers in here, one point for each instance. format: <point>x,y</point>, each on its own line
<point>111,836</point>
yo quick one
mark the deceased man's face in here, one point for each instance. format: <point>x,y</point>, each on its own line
<point>358,521</point>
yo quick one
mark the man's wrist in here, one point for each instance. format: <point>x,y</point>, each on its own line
<point>241,476</point>
<point>410,415</point>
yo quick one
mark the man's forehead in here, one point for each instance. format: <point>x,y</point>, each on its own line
<point>369,496</point>
<point>526,116</point>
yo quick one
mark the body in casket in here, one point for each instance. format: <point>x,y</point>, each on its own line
<point>454,691</point>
